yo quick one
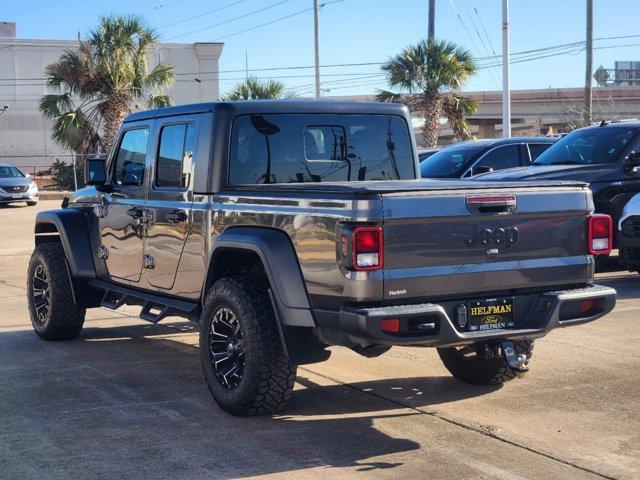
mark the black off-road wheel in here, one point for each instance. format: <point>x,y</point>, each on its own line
<point>54,314</point>
<point>244,365</point>
<point>469,363</point>
<point>31,204</point>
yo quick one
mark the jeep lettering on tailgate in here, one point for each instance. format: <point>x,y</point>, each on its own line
<point>500,237</point>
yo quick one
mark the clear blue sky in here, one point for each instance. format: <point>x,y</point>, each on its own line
<point>360,31</point>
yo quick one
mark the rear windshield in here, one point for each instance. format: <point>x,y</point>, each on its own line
<point>9,171</point>
<point>588,146</point>
<point>449,162</point>
<point>297,148</point>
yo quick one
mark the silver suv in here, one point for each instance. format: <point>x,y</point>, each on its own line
<point>16,186</point>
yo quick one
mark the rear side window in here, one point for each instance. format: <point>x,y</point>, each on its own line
<point>297,148</point>
<point>176,142</point>
<point>130,159</point>
<point>535,149</point>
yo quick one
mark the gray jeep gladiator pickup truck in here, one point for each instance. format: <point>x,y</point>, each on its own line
<point>285,227</point>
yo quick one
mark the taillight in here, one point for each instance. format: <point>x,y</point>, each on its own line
<point>600,234</point>
<point>366,248</point>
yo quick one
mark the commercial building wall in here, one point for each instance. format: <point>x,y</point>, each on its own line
<point>25,136</point>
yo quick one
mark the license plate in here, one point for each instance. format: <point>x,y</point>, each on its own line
<point>17,195</point>
<point>493,314</point>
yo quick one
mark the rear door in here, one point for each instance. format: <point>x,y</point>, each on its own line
<point>170,198</point>
<point>499,158</point>
<point>122,227</point>
<point>444,243</point>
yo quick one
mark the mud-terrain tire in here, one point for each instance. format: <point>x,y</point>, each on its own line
<point>238,321</point>
<point>53,311</point>
<point>31,204</point>
<point>469,367</point>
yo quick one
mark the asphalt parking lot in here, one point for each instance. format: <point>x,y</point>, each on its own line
<point>127,400</point>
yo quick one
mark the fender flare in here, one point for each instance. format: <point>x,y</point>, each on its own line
<point>280,263</point>
<point>70,225</point>
<point>287,291</point>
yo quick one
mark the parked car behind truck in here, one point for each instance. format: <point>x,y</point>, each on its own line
<point>465,159</point>
<point>285,227</point>
<point>16,186</point>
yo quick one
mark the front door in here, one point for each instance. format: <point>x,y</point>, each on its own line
<point>122,227</point>
<point>170,198</point>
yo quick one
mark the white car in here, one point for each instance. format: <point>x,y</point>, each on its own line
<point>629,234</point>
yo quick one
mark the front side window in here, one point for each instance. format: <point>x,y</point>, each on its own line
<point>176,142</point>
<point>589,146</point>
<point>130,159</point>
<point>297,148</point>
<point>499,158</point>
<point>449,162</point>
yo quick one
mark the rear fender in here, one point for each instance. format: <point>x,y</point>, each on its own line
<point>287,288</point>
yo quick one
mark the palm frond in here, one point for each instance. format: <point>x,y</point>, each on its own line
<point>255,89</point>
<point>53,106</point>
<point>158,100</point>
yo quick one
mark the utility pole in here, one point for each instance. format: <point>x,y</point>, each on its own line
<point>432,20</point>
<point>506,93</point>
<point>316,14</point>
<point>588,93</point>
<point>246,65</point>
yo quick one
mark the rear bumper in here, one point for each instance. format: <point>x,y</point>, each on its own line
<point>539,314</point>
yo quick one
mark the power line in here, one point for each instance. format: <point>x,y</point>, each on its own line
<point>276,20</point>
<point>484,30</point>
<point>563,46</point>
<point>484,46</point>
<point>526,55</point>
<point>230,20</point>
<point>201,14</point>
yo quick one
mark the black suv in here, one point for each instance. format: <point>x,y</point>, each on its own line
<point>464,159</point>
<point>606,156</point>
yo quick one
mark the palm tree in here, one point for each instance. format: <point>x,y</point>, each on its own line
<point>255,89</point>
<point>95,86</point>
<point>431,75</point>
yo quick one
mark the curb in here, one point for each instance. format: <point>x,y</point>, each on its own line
<point>45,195</point>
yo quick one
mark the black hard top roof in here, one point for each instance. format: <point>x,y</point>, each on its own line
<point>615,124</point>
<point>274,106</point>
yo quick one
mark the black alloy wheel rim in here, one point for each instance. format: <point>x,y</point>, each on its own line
<point>41,293</point>
<point>226,348</point>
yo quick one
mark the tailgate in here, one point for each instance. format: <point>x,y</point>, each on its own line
<point>452,243</point>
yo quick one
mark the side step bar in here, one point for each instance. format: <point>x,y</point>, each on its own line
<point>154,307</point>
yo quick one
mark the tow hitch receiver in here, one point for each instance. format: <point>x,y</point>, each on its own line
<point>514,360</point>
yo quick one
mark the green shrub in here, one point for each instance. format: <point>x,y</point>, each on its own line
<point>62,176</point>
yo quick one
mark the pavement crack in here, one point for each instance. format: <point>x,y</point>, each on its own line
<point>9,284</point>
<point>466,426</point>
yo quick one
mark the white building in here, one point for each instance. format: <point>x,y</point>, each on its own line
<point>25,136</point>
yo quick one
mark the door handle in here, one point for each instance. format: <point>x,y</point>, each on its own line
<point>177,216</point>
<point>135,212</point>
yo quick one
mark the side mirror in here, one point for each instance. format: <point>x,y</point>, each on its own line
<point>481,169</point>
<point>632,162</point>
<point>95,171</point>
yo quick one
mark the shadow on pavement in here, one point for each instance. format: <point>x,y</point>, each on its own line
<point>122,399</point>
